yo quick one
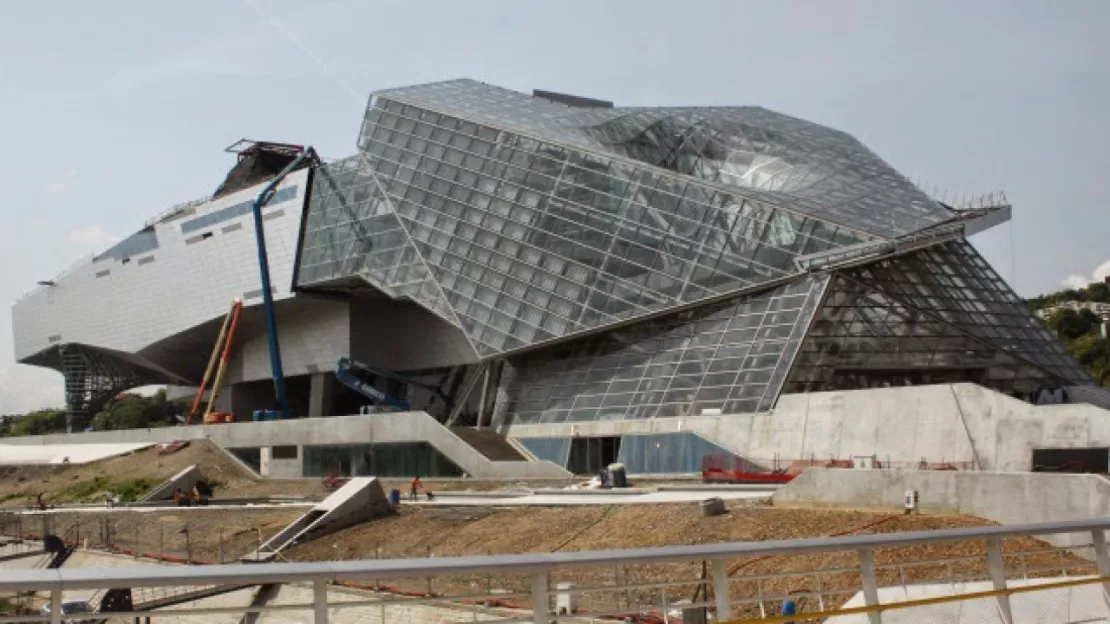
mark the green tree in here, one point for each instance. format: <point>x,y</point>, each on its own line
<point>1093,352</point>
<point>133,411</point>
<point>1071,324</point>
<point>38,423</point>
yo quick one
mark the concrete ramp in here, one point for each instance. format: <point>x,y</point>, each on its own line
<point>185,480</point>
<point>57,454</point>
<point>361,499</point>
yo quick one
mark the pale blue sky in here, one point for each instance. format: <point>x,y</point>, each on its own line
<point>113,111</point>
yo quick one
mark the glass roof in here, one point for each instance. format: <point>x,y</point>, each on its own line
<point>801,166</point>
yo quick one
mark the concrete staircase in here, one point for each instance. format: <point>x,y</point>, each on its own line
<point>492,445</point>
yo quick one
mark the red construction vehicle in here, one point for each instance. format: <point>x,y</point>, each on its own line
<point>733,469</point>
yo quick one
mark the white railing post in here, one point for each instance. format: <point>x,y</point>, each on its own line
<point>540,602</point>
<point>320,601</point>
<point>998,578</point>
<point>1102,558</point>
<point>719,572</point>
<point>870,586</point>
<point>56,606</point>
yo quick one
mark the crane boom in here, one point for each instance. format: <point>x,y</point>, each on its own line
<point>281,397</point>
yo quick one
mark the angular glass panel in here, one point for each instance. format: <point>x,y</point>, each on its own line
<point>871,331</point>
<point>673,371</point>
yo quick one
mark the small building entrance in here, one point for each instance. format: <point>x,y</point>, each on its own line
<point>590,455</point>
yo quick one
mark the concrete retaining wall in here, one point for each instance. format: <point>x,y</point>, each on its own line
<point>368,429</point>
<point>961,423</point>
<point>1007,498</point>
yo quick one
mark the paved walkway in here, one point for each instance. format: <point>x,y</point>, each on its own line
<point>590,497</point>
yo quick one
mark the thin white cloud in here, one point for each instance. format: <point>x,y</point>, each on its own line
<point>63,184</point>
<point>91,237</point>
<point>1100,273</point>
<point>285,31</point>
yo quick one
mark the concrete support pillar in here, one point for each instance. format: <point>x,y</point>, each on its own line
<point>320,394</point>
<point>265,454</point>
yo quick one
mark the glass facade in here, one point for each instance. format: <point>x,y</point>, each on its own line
<point>660,453</point>
<point>529,240</point>
<point>404,459</point>
<point>666,453</point>
<point>730,356</point>
<point>351,231</point>
<point>939,315</point>
<point>555,450</point>
<point>813,169</point>
<point>652,262</point>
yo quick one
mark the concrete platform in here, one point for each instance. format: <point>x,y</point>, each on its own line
<point>1083,603</point>
<point>54,454</point>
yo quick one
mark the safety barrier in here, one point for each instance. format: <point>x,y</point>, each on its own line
<point>908,576</point>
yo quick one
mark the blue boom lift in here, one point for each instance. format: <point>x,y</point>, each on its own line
<point>281,397</point>
<point>348,372</point>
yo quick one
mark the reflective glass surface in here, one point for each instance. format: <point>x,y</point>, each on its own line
<point>805,167</point>
<point>530,240</point>
<point>666,453</point>
<point>939,315</point>
<point>729,356</point>
<point>551,449</point>
<point>352,231</point>
<point>402,459</point>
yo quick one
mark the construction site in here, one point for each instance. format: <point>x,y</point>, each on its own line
<point>503,339</point>
<point>74,516</point>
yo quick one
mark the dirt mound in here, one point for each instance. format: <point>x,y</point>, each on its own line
<point>133,473</point>
<point>454,532</point>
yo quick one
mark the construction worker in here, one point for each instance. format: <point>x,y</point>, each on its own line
<point>416,484</point>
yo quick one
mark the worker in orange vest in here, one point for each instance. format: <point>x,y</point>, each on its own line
<point>414,486</point>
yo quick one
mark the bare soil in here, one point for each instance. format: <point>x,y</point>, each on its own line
<point>202,535</point>
<point>448,532</point>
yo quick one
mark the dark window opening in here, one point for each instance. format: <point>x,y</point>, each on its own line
<point>1077,460</point>
<point>402,459</point>
<point>284,452</point>
<point>590,455</point>
<point>250,456</point>
<point>206,235</point>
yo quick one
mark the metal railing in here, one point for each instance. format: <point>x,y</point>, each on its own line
<point>836,579</point>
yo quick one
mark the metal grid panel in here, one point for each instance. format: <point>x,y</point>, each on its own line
<point>352,230</point>
<point>809,168</point>
<point>729,356</point>
<point>532,241</point>
<point>955,284</point>
<point>936,316</point>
